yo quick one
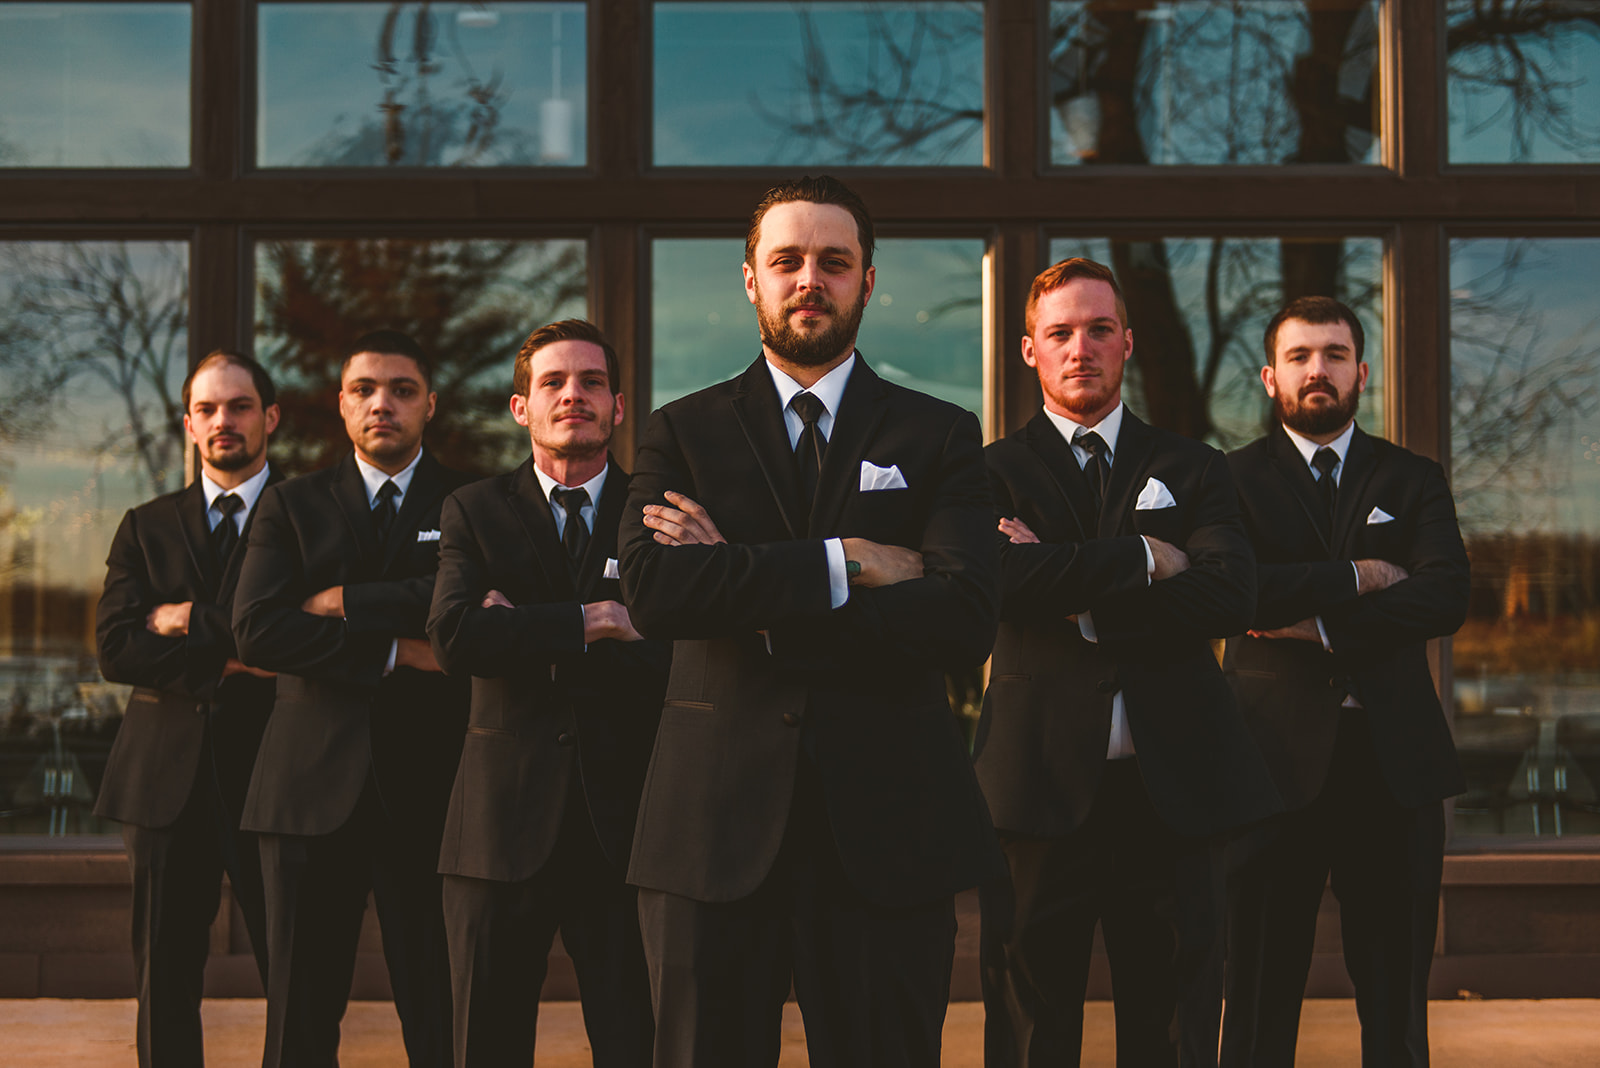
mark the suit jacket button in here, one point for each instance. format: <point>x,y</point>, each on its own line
<point>566,739</point>
<point>791,720</point>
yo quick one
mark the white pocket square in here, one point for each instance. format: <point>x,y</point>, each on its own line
<point>611,569</point>
<point>427,535</point>
<point>1378,515</point>
<point>1154,495</point>
<point>874,477</point>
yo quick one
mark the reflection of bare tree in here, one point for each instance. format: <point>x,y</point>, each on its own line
<point>92,310</point>
<point>469,304</point>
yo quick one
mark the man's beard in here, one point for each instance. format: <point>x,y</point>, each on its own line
<point>810,349</point>
<point>233,459</point>
<point>1323,419</point>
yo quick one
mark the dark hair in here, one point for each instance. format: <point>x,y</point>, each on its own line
<point>1057,275</point>
<point>823,189</point>
<point>391,343</point>
<point>563,330</point>
<point>265,390</point>
<point>1319,311</point>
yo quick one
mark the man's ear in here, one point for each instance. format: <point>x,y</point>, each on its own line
<point>519,409</point>
<point>1269,379</point>
<point>271,415</point>
<point>1027,352</point>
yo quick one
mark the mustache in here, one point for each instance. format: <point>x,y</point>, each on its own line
<point>1318,387</point>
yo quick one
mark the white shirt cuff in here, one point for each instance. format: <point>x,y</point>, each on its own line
<point>1322,632</point>
<point>1149,561</point>
<point>1356,571</point>
<point>838,581</point>
<point>394,651</point>
<point>1086,627</point>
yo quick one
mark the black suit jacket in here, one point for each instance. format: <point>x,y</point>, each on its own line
<point>543,708</point>
<point>162,555</point>
<point>337,715</point>
<point>1291,690</point>
<point>1041,743</point>
<point>861,688</point>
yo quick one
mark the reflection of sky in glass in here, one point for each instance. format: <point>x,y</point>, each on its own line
<point>1552,70</point>
<point>1525,384</point>
<point>818,84</point>
<point>506,85</point>
<point>923,328</point>
<point>68,465</point>
<point>1249,293</point>
<point>94,85</point>
<point>1212,79</point>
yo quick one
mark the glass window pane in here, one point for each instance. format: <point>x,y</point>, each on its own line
<point>1213,82</point>
<point>818,84</point>
<point>421,85</point>
<point>1523,87</point>
<point>1525,467</point>
<point>1198,307</point>
<point>470,304</point>
<point>93,352</point>
<point>923,329</point>
<point>94,85</point>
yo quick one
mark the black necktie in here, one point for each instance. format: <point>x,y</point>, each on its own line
<point>1098,469</point>
<point>809,445</point>
<point>1325,460</point>
<point>384,510</point>
<point>574,535</point>
<point>225,535</point>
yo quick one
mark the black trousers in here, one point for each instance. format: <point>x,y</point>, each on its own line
<point>177,885</point>
<point>316,891</point>
<point>1158,900</point>
<point>500,936</point>
<point>1386,864</point>
<point>873,981</point>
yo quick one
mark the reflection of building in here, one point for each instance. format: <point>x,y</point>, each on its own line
<point>1350,152</point>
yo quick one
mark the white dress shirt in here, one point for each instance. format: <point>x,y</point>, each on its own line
<point>374,480</point>
<point>248,491</point>
<point>829,389</point>
<point>1341,448</point>
<point>1120,745</point>
<point>587,513</point>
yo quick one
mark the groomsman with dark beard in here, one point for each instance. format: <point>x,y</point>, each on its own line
<point>1359,563</point>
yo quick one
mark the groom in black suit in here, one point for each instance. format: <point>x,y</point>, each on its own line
<point>350,789</point>
<point>810,810</point>
<point>1111,750</point>
<point>178,770</point>
<point>565,698</point>
<point>1359,564</point>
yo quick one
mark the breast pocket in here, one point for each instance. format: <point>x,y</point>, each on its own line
<point>1163,523</point>
<point>887,516</point>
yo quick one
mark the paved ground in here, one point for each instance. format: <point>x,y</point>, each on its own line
<point>1465,1034</point>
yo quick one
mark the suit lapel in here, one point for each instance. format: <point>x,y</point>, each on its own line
<point>607,517</point>
<point>1061,463</point>
<point>755,404</point>
<point>230,574</point>
<point>1303,488</point>
<point>1360,463</point>
<point>1134,444</point>
<point>192,520</point>
<point>860,411</point>
<point>427,486</point>
<point>525,497</point>
<point>350,493</point>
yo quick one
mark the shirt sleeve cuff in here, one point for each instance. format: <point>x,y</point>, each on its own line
<point>838,581</point>
<point>1149,560</point>
<point>1355,573</point>
<point>1322,632</point>
<point>1086,627</point>
<point>394,651</point>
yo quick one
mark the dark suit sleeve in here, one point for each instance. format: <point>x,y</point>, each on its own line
<point>268,625</point>
<point>1288,593</point>
<point>131,654</point>
<point>1044,581</point>
<point>469,639</point>
<point>1215,596</point>
<point>394,608</point>
<point>1430,603</point>
<point>707,591</point>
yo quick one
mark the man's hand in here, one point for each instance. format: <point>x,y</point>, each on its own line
<point>683,523</point>
<point>414,653</point>
<point>608,619</point>
<point>330,602</point>
<point>1375,575</point>
<point>238,667</point>
<point>1305,631</point>
<point>881,565</point>
<point>169,620</point>
<point>1170,560</point>
<point>494,598</point>
<point>1018,532</point>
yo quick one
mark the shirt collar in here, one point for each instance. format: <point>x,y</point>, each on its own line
<point>1108,428</point>
<point>247,491</point>
<point>375,478</point>
<point>829,389</point>
<point>593,487</point>
<point>1308,448</point>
